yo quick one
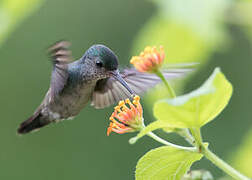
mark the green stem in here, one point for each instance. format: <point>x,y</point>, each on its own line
<point>215,159</point>
<point>185,133</point>
<point>169,88</point>
<point>197,136</point>
<point>157,138</point>
<point>223,165</point>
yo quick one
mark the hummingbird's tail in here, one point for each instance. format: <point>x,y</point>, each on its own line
<point>36,121</point>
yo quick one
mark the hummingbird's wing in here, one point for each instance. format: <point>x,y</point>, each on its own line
<point>61,56</point>
<point>109,91</point>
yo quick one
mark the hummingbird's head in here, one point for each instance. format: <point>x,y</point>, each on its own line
<point>105,63</point>
<point>102,57</point>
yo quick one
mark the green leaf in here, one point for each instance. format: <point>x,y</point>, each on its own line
<point>12,12</point>
<point>198,107</point>
<point>151,127</point>
<point>165,162</point>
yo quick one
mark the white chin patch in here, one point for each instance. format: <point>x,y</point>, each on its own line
<point>54,115</point>
<point>70,118</point>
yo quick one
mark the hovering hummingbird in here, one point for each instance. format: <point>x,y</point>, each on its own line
<point>94,77</point>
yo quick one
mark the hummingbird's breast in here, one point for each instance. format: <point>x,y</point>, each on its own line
<point>74,99</point>
<point>75,95</point>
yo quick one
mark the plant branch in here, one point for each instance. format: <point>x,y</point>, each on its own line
<point>157,138</point>
<point>215,159</point>
<point>185,133</point>
<point>223,165</point>
<point>197,136</point>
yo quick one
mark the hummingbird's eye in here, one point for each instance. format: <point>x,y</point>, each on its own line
<point>99,64</point>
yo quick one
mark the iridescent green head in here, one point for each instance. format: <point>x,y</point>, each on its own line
<point>105,62</point>
<point>103,56</point>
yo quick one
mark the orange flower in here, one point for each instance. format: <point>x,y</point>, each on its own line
<point>149,60</point>
<point>127,117</point>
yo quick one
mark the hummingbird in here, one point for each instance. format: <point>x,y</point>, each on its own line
<point>94,77</point>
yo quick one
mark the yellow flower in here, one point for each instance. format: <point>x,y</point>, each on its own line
<point>149,60</point>
<point>127,117</point>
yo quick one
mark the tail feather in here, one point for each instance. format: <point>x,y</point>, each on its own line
<point>36,121</point>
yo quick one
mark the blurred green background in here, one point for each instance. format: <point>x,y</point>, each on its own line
<point>214,33</point>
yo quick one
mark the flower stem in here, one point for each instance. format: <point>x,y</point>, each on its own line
<point>157,138</point>
<point>169,88</point>
<point>223,165</point>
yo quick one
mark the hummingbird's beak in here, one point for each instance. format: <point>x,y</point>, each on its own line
<point>119,78</point>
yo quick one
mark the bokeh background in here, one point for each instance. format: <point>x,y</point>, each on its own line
<point>213,33</point>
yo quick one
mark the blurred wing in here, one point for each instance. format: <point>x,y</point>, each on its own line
<point>109,91</point>
<point>60,56</point>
